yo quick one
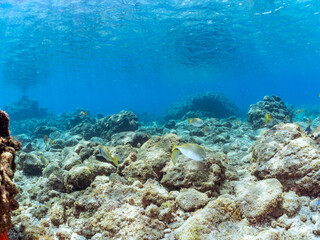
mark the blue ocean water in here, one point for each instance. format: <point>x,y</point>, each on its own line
<point>143,55</point>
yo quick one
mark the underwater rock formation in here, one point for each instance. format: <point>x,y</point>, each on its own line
<point>286,152</point>
<point>229,195</point>
<point>270,105</point>
<point>107,126</point>
<point>260,199</point>
<point>4,126</point>
<point>25,108</point>
<point>30,164</point>
<point>8,190</point>
<point>202,106</point>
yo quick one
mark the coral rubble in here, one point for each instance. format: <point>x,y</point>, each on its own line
<point>254,183</point>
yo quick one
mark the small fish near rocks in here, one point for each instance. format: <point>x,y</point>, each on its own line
<point>190,150</point>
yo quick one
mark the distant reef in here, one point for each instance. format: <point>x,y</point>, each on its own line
<point>204,105</point>
<point>25,108</point>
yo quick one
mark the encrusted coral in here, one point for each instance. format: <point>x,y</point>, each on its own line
<point>8,189</point>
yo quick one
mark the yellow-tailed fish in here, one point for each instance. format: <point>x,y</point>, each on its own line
<point>190,150</point>
<point>268,118</point>
<point>298,111</point>
<point>236,122</point>
<point>51,142</point>
<point>45,139</point>
<point>205,130</point>
<point>197,122</point>
<point>104,152</point>
<point>44,160</point>
<point>287,118</point>
<point>83,113</point>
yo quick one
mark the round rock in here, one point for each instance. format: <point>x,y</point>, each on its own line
<point>191,199</point>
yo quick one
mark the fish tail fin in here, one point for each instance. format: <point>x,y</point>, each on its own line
<point>115,160</point>
<point>267,118</point>
<point>188,120</point>
<point>174,156</point>
<point>174,146</point>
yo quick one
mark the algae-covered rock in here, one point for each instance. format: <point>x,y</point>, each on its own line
<point>31,164</point>
<point>154,193</point>
<point>207,219</point>
<point>290,203</point>
<point>80,177</point>
<point>150,159</point>
<point>191,199</point>
<point>259,199</point>
<point>270,105</point>
<point>203,176</point>
<point>285,152</point>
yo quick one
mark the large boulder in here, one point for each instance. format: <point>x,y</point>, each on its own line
<point>285,152</point>
<point>151,158</point>
<point>31,164</point>
<point>270,105</point>
<point>258,200</point>
<point>204,106</point>
<point>80,177</point>
<point>191,199</point>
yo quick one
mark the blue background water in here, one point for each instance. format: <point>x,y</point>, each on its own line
<point>109,55</point>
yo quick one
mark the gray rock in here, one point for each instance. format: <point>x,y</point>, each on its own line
<point>257,200</point>
<point>314,205</point>
<point>285,152</point>
<point>73,140</point>
<point>80,177</point>
<point>44,130</point>
<point>191,199</point>
<point>70,161</point>
<point>316,229</point>
<point>290,203</point>
<point>28,148</point>
<point>51,168</point>
<point>133,138</point>
<point>106,127</point>
<point>31,164</point>
<point>58,144</point>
